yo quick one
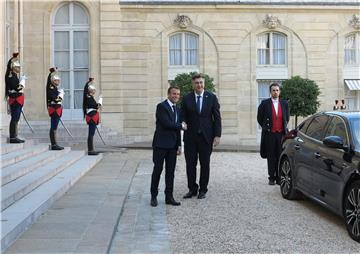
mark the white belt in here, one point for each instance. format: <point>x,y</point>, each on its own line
<point>90,110</point>
<point>13,91</point>
<point>53,102</point>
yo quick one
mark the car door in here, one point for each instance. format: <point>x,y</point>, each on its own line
<point>328,178</point>
<point>306,147</point>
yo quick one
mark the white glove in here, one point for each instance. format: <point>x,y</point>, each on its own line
<point>61,93</point>
<point>22,81</point>
<point>100,101</point>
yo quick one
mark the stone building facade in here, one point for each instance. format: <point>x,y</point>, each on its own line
<point>134,48</point>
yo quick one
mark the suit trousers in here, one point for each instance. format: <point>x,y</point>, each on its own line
<point>273,148</point>
<point>159,156</point>
<point>197,148</point>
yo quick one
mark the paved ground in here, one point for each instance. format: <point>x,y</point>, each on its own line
<point>241,214</point>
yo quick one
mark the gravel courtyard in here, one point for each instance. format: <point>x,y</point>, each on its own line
<point>243,214</point>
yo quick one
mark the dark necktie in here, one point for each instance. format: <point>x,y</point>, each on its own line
<point>174,111</point>
<point>198,104</point>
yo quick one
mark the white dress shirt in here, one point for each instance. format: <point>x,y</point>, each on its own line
<point>201,99</point>
<point>276,105</point>
<point>171,106</point>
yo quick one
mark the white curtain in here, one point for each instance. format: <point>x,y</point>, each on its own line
<point>62,15</point>
<point>263,49</point>
<point>80,16</point>
<point>191,48</point>
<point>175,49</point>
<point>350,49</point>
<point>278,44</point>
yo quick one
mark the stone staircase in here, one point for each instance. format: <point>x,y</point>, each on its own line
<point>32,178</point>
<point>79,130</point>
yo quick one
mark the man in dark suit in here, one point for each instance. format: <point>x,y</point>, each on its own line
<point>201,112</point>
<point>273,116</point>
<point>166,145</point>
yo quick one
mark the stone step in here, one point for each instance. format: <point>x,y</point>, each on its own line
<point>14,171</point>
<point>21,153</point>
<point>8,148</point>
<point>21,215</point>
<point>17,189</point>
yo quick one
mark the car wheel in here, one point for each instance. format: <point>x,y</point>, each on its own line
<point>352,210</point>
<point>286,180</point>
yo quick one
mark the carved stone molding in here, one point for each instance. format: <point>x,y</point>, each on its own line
<point>182,21</point>
<point>355,22</point>
<point>271,22</point>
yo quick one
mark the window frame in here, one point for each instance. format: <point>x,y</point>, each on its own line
<point>323,133</point>
<point>183,50</point>
<point>346,129</point>
<point>71,28</point>
<point>271,49</point>
<point>357,49</point>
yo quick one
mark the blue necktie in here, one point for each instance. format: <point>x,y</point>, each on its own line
<point>174,110</point>
<point>198,104</point>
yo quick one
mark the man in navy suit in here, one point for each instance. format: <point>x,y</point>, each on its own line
<point>273,116</point>
<point>201,112</point>
<point>166,145</point>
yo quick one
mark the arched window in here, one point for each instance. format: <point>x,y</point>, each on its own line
<point>183,49</point>
<point>271,49</point>
<point>352,49</point>
<point>71,52</point>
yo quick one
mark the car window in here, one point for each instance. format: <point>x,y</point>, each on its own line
<point>303,126</point>
<point>317,127</point>
<point>337,127</point>
<point>355,131</point>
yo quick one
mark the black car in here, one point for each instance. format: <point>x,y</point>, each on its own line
<point>321,159</point>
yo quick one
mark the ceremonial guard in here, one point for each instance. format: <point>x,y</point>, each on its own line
<point>54,98</point>
<point>14,93</point>
<point>91,113</point>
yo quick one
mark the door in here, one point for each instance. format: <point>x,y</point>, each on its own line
<point>306,152</point>
<point>328,179</point>
<point>71,55</point>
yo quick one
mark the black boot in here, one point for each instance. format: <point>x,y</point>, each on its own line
<point>90,143</point>
<point>54,145</point>
<point>13,133</point>
<point>169,200</point>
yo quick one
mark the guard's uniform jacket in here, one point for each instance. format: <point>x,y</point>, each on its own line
<point>54,101</point>
<point>92,114</point>
<point>14,90</point>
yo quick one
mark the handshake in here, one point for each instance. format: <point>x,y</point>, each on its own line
<point>184,126</point>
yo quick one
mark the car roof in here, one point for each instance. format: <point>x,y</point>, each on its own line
<point>344,113</point>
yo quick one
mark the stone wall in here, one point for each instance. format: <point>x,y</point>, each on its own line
<point>129,57</point>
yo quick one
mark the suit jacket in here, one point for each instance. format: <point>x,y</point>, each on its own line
<point>208,121</point>
<point>167,132</point>
<point>264,118</point>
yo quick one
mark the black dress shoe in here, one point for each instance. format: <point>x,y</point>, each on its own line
<point>153,201</point>
<point>190,194</point>
<point>171,201</point>
<point>57,147</point>
<point>202,195</point>
<point>16,141</point>
<point>93,153</point>
<point>271,182</point>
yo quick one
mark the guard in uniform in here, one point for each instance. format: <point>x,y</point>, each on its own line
<point>14,93</point>
<point>91,113</point>
<point>54,98</point>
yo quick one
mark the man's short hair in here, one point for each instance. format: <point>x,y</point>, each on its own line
<point>172,87</point>
<point>197,75</point>
<point>274,84</point>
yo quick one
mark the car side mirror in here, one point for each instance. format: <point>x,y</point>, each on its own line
<point>334,142</point>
